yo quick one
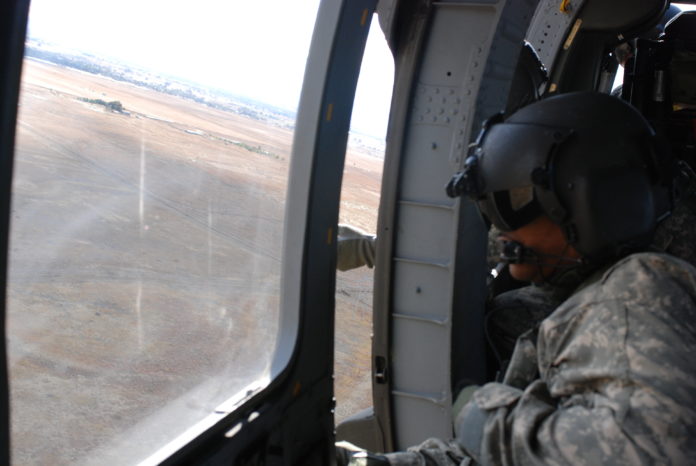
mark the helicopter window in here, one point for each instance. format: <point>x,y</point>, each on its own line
<point>153,143</point>
<point>360,194</point>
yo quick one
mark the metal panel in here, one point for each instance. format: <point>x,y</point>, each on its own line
<point>427,226</point>
<point>549,28</point>
<point>426,175</point>
<point>421,285</point>
<point>406,43</point>
<point>428,381</point>
<point>438,132</point>
<point>468,57</point>
<point>418,411</point>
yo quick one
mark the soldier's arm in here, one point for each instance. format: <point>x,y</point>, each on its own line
<point>432,452</point>
<point>617,385</point>
<point>355,248</point>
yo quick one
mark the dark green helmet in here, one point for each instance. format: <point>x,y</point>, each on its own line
<point>588,161</point>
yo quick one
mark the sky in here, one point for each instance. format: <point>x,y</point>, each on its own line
<point>253,48</point>
<point>256,49</point>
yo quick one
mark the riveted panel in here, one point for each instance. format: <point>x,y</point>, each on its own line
<point>428,168</point>
<point>419,288</point>
<point>432,360</point>
<point>549,27</point>
<point>438,129</point>
<point>425,243</point>
<point>467,55</point>
<point>417,412</point>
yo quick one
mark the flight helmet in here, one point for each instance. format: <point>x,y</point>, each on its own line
<point>589,161</point>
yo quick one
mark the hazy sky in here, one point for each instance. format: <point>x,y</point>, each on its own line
<point>253,48</point>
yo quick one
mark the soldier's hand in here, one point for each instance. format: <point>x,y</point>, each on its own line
<point>462,399</point>
<point>348,454</point>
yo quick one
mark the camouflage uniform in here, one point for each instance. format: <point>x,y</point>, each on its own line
<point>607,378</point>
<point>512,313</point>
<point>676,234</point>
<point>355,248</point>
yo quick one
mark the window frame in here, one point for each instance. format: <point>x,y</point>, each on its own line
<point>13,27</point>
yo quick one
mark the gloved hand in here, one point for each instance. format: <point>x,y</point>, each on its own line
<point>463,398</point>
<point>348,454</point>
<point>355,248</point>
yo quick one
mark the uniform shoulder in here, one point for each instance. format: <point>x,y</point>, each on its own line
<point>650,267</point>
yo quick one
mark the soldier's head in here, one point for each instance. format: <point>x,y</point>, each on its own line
<point>569,179</point>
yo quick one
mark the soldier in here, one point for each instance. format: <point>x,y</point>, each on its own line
<point>511,313</point>
<point>574,185</point>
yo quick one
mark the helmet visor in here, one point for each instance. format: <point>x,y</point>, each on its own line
<point>510,210</point>
<point>509,154</point>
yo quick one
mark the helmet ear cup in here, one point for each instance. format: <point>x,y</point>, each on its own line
<point>608,191</point>
<point>609,221</point>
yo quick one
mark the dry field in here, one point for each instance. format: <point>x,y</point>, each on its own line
<point>144,274</point>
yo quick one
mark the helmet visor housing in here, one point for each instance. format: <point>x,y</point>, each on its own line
<point>510,210</point>
<point>509,179</point>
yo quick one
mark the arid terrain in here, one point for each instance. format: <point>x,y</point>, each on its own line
<point>145,262</point>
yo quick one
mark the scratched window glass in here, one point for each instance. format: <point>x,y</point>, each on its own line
<point>153,143</point>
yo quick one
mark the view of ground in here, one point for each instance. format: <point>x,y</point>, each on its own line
<point>144,269</point>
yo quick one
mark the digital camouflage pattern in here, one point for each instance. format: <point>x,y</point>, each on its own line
<point>676,235</point>
<point>607,378</point>
<point>512,313</point>
<point>355,248</point>
<point>431,452</point>
<point>494,249</point>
